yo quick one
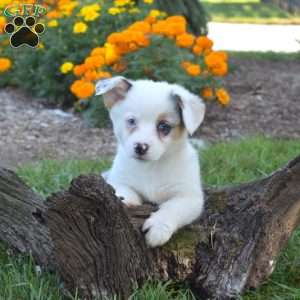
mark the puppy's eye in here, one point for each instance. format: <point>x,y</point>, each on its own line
<point>131,122</point>
<point>164,128</point>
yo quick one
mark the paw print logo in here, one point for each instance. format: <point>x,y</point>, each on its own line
<point>24,31</point>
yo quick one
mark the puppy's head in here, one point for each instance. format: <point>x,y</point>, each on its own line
<point>150,118</point>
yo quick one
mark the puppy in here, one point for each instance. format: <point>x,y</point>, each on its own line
<point>155,161</point>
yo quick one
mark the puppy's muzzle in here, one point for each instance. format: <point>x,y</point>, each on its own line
<point>141,149</point>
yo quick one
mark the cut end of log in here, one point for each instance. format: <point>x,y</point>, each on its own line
<point>96,247</point>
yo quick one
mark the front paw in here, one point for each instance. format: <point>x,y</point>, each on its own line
<point>130,202</point>
<point>158,231</point>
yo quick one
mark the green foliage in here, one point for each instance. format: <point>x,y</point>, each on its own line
<point>269,55</point>
<point>224,163</point>
<point>38,70</point>
<point>248,11</point>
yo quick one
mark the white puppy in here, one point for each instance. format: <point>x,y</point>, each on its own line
<point>155,160</point>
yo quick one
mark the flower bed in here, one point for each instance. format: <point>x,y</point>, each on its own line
<point>86,41</point>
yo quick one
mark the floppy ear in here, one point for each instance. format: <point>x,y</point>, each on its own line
<point>113,90</point>
<point>192,108</point>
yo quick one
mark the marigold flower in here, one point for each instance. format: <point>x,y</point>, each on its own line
<point>102,75</point>
<point>223,96</point>
<point>114,11</point>
<point>176,19</point>
<point>185,40</point>
<point>90,75</point>
<point>67,8</point>
<point>94,62</point>
<point>121,3</point>
<point>207,93</point>
<point>54,14</point>
<point>90,12</point>
<point>111,54</point>
<point>66,67</point>
<point>191,69</point>
<point>216,62</point>
<point>2,23</point>
<point>148,1</point>
<point>140,26</point>
<point>79,70</point>
<point>80,27</point>
<point>53,23</point>
<point>5,64</point>
<point>204,43</point>
<point>98,51</point>
<point>155,13</point>
<point>134,10</point>
<point>83,89</point>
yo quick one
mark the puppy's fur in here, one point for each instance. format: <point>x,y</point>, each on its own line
<point>164,169</point>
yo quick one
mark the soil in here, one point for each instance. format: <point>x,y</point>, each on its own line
<point>265,100</point>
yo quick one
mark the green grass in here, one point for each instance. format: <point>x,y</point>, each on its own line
<point>268,55</point>
<point>248,11</point>
<point>223,163</point>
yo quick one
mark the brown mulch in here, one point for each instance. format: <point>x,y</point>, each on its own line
<point>265,100</point>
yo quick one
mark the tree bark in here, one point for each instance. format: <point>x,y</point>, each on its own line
<point>191,9</point>
<point>95,243</point>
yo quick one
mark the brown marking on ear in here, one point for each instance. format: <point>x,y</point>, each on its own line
<point>117,94</point>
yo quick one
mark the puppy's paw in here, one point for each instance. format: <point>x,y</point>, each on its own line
<point>130,202</point>
<point>158,232</point>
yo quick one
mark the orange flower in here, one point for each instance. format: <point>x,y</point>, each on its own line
<point>102,75</point>
<point>176,19</point>
<point>98,51</point>
<point>90,75</point>
<point>220,70</point>
<point>185,40</point>
<point>185,64</point>
<point>94,62</point>
<point>83,89</point>
<point>54,14</point>
<point>140,26</point>
<point>79,70</point>
<point>191,69</point>
<point>2,23</point>
<point>5,64</point>
<point>172,26</point>
<point>207,93</point>
<point>223,96</point>
<point>216,63</point>
<point>111,54</point>
<point>203,45</point>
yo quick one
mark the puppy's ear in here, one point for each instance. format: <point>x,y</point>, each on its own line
<point>113,90</point>
<point>192,108</point>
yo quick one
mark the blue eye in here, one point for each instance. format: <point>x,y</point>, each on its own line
<point>164,128</point>
<point>131,122</point>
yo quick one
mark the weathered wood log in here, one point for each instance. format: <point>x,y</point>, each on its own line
<point>95,243</point>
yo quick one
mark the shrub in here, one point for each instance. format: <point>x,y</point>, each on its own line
<point>72,29</point>
<point>135,41</point>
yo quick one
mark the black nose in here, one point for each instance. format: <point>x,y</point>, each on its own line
<point>141,149</point>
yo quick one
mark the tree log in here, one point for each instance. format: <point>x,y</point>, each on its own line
<point>95,243</point>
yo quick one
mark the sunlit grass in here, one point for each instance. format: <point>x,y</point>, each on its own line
<point>222,164</point>
<point>248,11</point>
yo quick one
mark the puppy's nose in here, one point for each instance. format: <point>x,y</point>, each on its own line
<point>141,149</point>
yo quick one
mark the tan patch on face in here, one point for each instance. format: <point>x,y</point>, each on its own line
<point>175,122</point>
<point>177,132</point>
